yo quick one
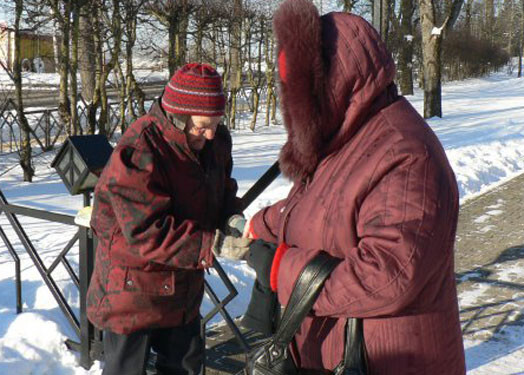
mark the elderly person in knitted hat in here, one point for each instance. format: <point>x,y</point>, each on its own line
<point>372,187</point>
<point>158,204</point>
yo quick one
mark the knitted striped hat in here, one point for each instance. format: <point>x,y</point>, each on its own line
<point>195,89</point>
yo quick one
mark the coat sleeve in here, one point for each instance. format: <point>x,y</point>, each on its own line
<point>144,211</point>
<point>406,226</point>
<point>265,223</point>
<point>232,204</point>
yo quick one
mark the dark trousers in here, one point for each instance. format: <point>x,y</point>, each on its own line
<point>180,351</point>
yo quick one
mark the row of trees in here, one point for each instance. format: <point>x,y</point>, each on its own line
<point>431,40</point>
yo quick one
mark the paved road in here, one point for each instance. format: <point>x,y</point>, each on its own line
<point>489,262</point>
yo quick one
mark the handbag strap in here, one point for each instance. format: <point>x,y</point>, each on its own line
<point>355,357</point>
<point>305,292</point>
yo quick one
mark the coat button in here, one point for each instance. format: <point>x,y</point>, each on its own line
<point>129,282</point>
<point>282,209</point>
<point>203,262</point>
<point>166,287</point>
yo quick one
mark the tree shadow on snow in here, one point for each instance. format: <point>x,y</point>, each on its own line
<point>497,315</point>
<point>16,361</point>
<point>8,301</point>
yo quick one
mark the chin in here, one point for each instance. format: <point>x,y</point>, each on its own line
<point>198,146</point>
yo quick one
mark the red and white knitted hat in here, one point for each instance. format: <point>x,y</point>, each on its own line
<point>195,89</point>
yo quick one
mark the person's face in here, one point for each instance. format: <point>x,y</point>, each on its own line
<point>199,129</point>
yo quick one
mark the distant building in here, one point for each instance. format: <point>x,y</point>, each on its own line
<point>36,50</point>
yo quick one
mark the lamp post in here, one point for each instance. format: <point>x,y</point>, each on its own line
<point>79,163</point>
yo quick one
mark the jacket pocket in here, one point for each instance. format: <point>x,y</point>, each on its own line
<point>156,283</point>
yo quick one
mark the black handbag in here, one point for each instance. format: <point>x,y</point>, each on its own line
<point>272,357</point>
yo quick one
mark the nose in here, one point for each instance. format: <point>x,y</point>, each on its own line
<point>209,134</point>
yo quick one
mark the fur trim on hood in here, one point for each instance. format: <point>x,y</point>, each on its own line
<point>336,66</point>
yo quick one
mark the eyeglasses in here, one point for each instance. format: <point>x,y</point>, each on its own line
<point>200,130</point>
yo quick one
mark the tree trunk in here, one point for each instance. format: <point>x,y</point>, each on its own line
<point>405,59</point>
<point>86,55</point>
<point>521,49</point>
<point>273,108</point>
<point>116,31</point>
<point>270,73</point>
<point>509,8</point>
<point>181,36</point>
<point>431,52</point>
<point>75,123</point>
<point>384,27</point>
<point>56,39</point>
<point>199,35</point>
<point>63,102</point>
<point>235,62</point>
<point>99,66</point>
<point>123,95</point>
<point>132,88</point>
<point>431,46</point>
<point>255,77</point>
<point>467,17</point>
<point>177,21</point>
<point>347,5</point>
<point>490,20</point>
<point>25,131</point>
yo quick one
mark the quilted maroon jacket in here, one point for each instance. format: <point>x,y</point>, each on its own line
<point>155,213</point>
<point>382,197</point>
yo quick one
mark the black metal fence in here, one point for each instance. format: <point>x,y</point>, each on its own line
<point>47,130</point>
<point>90,339</point>
<point>45,126</point>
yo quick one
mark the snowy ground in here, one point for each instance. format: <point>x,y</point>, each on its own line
<point>50,81</point>
<point>482,132</point>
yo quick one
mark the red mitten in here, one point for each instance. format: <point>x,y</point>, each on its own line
<point>273,277</point>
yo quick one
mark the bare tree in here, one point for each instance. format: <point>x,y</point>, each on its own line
<point>235,76</point>
<point>73,68</point>
<point>25,141</point>
<point>521,49</point>
<point>405,46</point>
<point>489,20</point>
<point>131,9</point>
<point>107,34</point>
<point>347,5</point>
<point>432,35</point>
<point>173,14</point>
<point>61,10</point>
<point>254,63</point>
<point>86,53</point>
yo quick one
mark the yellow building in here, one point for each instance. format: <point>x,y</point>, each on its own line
<point>36,50</point>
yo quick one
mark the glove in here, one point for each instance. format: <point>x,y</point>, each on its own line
<point>230,247</point>
<point>235,225</point>
<point>260,258</point>
<point>263,312</point>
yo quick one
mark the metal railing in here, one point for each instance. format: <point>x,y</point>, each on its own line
<point>46,129</point>
<point>90,345</point>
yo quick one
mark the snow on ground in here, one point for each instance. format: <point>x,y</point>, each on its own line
<point>482,132</point>
<point>50,81</point>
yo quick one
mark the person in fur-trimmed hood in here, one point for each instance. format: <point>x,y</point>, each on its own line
<point>372,186</point>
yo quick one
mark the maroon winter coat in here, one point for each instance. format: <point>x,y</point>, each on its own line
<point>155,213</point>
<point>382,197</point>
